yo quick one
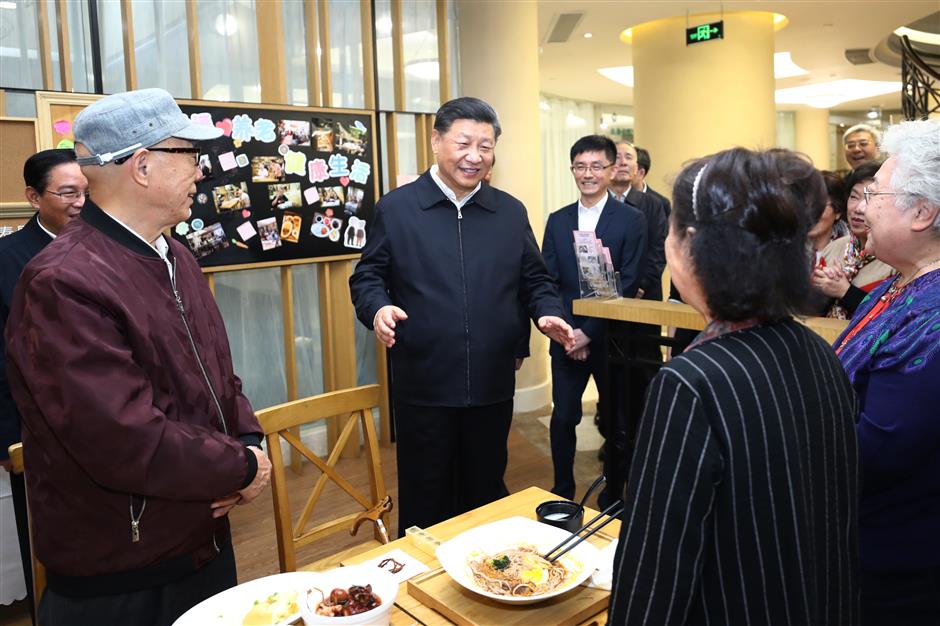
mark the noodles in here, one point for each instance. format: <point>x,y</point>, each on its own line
<point>517,571</point>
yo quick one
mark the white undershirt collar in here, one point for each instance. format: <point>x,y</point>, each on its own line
<point>449,192</point>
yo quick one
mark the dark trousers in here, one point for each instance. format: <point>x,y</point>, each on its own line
<point>901,598</point>
<point>18,494</point>
<point>158,606</point>
<point>569,379</point>
<point>450,460</point>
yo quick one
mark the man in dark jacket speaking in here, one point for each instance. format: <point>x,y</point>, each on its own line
<point>137,438</point>
<point>446,265</point>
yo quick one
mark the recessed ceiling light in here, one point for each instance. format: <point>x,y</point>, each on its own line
<point>622,74</point>
<point>829,94</point>
<point>588,35</point>
<point>784,67</point>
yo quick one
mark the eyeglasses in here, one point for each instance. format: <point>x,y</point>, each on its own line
<point>69,196</point>
<point>857,144</point>
<point>596,168</point>
<point>869,193</point>
<point>195,153</point>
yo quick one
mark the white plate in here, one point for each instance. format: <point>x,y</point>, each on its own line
<point>509,533</point>
<point>229,607</point>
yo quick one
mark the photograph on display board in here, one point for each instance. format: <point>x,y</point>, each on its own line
<point>331,197</point>
<point>351,139</point>
<point>285,196</point>
<point>290,227</point>
<point>207,240</point>
<point>267,169</point>
<point>323,135</point>
<point>267,231</point>
<point>293,133</point>
<point>205,166</point>
<point>353,200</point>
<point>231,197</point>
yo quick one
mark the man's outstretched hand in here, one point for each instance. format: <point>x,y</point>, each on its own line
<point>558,330</point>
<point>384,323</point>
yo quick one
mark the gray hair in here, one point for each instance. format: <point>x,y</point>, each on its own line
<point>915,147</point>
<point>863,128</point>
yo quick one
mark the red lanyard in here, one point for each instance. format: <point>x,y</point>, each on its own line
<point>882,304</point>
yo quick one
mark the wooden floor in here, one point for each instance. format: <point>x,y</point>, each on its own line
<point>253,525</point>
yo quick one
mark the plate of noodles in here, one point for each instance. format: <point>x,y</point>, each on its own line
<point>502,560</point>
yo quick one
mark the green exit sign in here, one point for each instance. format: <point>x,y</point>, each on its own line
<point>705,32</point>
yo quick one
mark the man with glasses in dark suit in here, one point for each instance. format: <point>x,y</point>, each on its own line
<point>56,188</point>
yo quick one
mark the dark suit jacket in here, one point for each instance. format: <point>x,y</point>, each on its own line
<point>623,230</point>
<point>662,200</point>
<point>651,281</point>
<point>462,278</point>
<point>16,251</point>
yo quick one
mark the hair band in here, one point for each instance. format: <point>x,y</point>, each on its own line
<point>698,179</point>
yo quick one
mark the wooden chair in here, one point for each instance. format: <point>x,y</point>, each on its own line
<point>351,407</point>
<point>39,572</point>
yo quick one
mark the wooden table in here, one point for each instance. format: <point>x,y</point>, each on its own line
<point>680,315</point>
<point>409,611</point>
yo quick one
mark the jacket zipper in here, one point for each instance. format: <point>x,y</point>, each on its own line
<point>466,301</point>
<point>202,368</point>
<point>192,342</point>
<point>135,519</point>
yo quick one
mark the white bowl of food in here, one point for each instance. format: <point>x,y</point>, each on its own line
<point>350,595</point>
<point>502,560</point>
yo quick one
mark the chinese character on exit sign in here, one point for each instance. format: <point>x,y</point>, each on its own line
<point>705,32</point>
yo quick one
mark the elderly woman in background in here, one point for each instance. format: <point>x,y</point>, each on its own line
<point>741,503</point>
<point>891,352</point>
<point>847,271</point>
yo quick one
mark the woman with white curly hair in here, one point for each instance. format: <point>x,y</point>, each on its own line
<point>891,353</point>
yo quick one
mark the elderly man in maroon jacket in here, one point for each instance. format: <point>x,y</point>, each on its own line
<point>137,437</point>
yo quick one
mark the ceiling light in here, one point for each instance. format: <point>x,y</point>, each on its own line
<point>832,93</point>
<point>226,24</point>
<point>780,21</point>
<point>588,35</point>
<point>873,113</point>
<point>424,70</point>
<point>784,67</point>
<point>919,36</point>
<point>622,74</point>
<point>627,35</point>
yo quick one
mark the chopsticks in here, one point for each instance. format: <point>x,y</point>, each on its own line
<point>612,512</point>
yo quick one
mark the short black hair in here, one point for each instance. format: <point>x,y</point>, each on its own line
<point>595,143</point>
<point>466,108</point>
<point>749,249</point>
<point>643,159</point>
<point>865,171</point>
<point>835,189</point>
<point>37,167</point>
<point>804,181</point>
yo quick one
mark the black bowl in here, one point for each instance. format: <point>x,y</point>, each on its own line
<point>563,514</point>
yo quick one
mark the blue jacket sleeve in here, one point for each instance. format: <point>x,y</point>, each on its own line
<point>539,292</point>
<point>368,285</point>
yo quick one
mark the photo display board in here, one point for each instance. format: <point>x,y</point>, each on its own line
<point>281,184</point>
